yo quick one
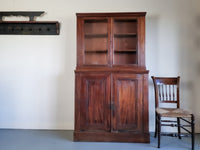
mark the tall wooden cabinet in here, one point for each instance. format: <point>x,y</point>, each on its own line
<point>111,80</point>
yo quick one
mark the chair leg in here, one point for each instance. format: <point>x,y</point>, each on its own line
<point>156,125</point>
<point>159,129</point>
<point>179,128</point>
<point>192,128</point>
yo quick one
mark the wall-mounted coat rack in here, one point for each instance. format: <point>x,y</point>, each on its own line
<point>30,27</point>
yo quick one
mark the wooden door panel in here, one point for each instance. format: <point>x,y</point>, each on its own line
<point>95,102</point>
<point>127,101</point>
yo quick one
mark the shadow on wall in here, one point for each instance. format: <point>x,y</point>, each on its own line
<point>152,59</point>
<point>196,71</point>
<point>189,54</point>
<point>189,64</point>
<point>65,80</point>
<point>197,99</point>
<point>64,101</point>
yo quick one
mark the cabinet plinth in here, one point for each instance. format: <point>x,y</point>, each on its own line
<point>111,80</point>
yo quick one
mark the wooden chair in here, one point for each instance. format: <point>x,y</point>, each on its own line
<point>166,95</point>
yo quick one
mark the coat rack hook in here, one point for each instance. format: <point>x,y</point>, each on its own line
<point>30,27</point>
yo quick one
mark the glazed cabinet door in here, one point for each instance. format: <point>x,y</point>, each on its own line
<point>93,45</point>
<point>127,103</point>
<point>128,41</point>
<point>93,102</point>
<point>125,41</point>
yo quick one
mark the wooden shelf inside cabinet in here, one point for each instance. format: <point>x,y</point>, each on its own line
<point>121,35</point>
<point>92,35</point>
<point>125,51</point>
<point>96,51</point>
<point>125,20</point>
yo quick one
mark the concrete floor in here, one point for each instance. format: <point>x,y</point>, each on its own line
<point>63,140</point>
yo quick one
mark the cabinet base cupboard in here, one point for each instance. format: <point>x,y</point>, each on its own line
<point>111,80</point>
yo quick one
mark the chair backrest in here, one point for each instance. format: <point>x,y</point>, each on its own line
<point>166,90</point>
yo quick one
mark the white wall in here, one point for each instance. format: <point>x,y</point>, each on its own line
<point>37,72</point>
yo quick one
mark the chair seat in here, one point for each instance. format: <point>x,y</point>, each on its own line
<point>173,112</point>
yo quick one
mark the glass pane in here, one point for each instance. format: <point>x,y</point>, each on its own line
<point>125,41</point>
<point>96,42</point>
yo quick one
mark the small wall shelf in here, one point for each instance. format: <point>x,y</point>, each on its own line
<point>30,27</point>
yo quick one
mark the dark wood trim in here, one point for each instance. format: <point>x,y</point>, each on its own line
<point>146,102</point>
<point>30,14</point>
<point>141,39</point>
<point>79,44</point>
<point>114,14</point>
<point>124,70</point>
<point>29,27</point>
<point>77,102</point>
